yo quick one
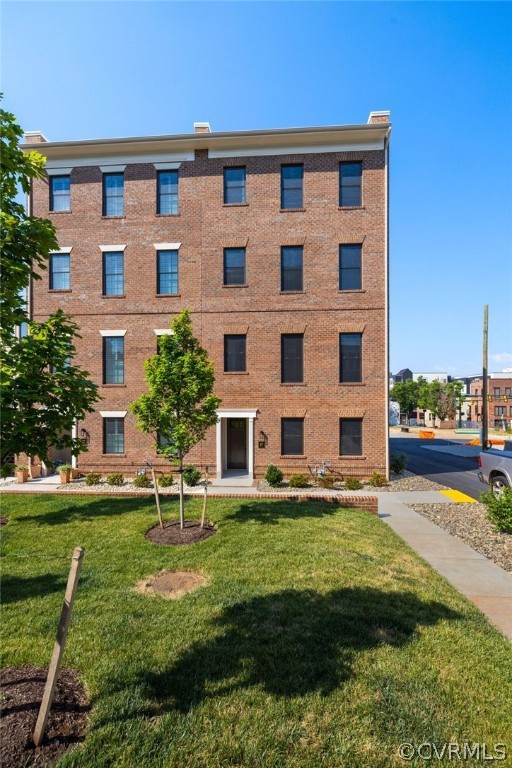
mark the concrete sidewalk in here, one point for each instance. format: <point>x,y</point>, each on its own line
<point>487,585</point>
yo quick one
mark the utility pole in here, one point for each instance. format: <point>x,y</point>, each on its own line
<point>485,404</point>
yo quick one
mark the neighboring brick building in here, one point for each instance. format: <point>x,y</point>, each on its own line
<point>499,401</point>
<point>276,240</point>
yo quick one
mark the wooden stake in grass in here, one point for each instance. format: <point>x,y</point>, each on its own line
<point>60,644</point>
<point>204,497</point>
<point>157,498</point>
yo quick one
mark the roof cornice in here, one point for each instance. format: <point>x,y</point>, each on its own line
<point>233,140</point>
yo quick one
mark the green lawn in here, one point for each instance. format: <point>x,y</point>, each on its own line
<point>320,641</point>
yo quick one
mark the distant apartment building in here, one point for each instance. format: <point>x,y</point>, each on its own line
<point>498,402</point>
<point>277,242</point>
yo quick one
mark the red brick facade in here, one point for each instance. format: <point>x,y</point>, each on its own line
<point>204,227</point>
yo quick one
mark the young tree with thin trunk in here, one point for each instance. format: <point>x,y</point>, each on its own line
<point>179,407</point>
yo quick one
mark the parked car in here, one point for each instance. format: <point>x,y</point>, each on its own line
<point>495,468</point>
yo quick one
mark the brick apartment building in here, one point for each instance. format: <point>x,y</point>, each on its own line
<point>499,401</point>
<point>277,242</point>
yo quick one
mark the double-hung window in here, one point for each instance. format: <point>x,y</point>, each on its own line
<point>350,184</point>
<point>60,193</point>
<point>167,192</point>
<point>292,177</point>
<point>292,358</point>
<point>113,194</point>
<point>167,272</point>
<point>350,267</point>
<point>291,268</point>
<point>60,278</point>
<point>351,437</point>
<point>235,353</point>
<point>234,186</point>
<point>350,357</point>
<point>234,266</point>
<point>292,437</point>
<point>113,435</point>
<point>113,273</point>
<point>113,360</point>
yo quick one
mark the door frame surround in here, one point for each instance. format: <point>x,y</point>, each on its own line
<point>221,444</point>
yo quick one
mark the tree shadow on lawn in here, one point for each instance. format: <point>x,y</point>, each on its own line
<point>293,508</point>
<point>290,643</point>
<point>17,588</point>
<point>100,507</point>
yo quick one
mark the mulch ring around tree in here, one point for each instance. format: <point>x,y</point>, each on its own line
<point>21,693</point>
<point>4,520</point>
<point>171,584</point>
<point>172,535</point>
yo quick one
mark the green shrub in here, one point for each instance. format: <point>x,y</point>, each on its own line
<point>298,481</point>
<point>191,475</point>
<point>116,478</point>
<point>377,480</point>
<point>326,481</point>
<point>164,481</point>
<point>65,467</point>
<point>398,462</point>
<point>142,481</point>
<point>353,484</point>
<point>6,470</point>
<point>93,478</point>
<point>273,476</point>
<point>499,510</point>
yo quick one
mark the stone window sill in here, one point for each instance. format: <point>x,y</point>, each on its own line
<point>352,457</point>
<point>108,218</point>
<point>351,384</point>
<point>351,290</point>
<point>293,384</point>
<point>114,386</point>
<point>235,205</point>
<point>292,210</point>
<point>293,456</point>
<point>55,212</point>
<point>235,373</point>
<point>113,296</point>
<point>167,295</point>
<point>351,207</point>
<point>167,215</point>
<point>236,285</point>
<point>60,290</point>
<point>285,293</point>
<point>117,455</point>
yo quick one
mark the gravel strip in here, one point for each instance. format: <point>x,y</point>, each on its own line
<point>405,481</point>
<point>126,487</point>
<point>470,524</point>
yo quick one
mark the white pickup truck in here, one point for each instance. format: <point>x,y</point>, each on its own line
<point>495,468</point>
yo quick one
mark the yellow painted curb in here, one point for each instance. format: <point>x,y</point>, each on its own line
<point>458,496</point>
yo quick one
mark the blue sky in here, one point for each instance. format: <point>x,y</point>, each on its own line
<point>92,69</point>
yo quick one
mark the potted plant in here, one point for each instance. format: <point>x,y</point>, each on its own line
<point>65,473</point>
<point>21,473</point>
<point>35,470</point>
<point>75,473</point>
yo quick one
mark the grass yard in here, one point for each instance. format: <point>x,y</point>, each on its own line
<point>320,641</point>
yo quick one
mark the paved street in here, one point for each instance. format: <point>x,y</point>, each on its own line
<point>456,472</point>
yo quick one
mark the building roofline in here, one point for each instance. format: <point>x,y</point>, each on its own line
<point>216,140</point>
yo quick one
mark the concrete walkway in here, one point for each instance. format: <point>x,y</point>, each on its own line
<point>487,585</point>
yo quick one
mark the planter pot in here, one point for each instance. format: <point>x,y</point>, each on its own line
<point>75,474</point>
<point>21,475</point>
<point>35,471</point>
<point>64,477</point>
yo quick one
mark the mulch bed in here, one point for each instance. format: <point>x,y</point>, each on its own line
<point>171,534</point>
<point>21,694</point>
